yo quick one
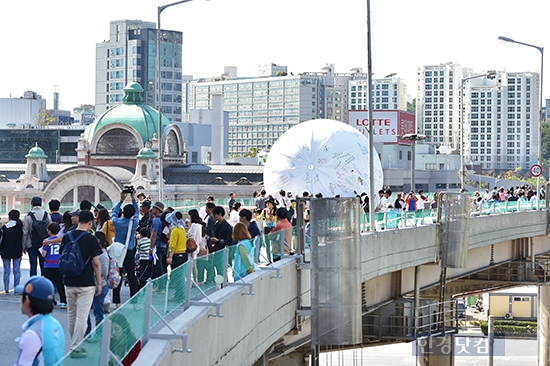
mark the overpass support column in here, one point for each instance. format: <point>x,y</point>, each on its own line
<point>543,325</point>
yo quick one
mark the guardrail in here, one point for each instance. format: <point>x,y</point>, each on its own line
<point>181,288</point>
<point>177,290</point>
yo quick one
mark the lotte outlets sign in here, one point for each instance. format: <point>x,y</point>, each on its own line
<point>387,125</point>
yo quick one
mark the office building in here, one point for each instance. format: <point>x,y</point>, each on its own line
<point>262,108</point>
<point>130,55</point>
<point>21,112</point>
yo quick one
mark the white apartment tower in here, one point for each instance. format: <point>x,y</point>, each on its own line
<point>501,121</point>
<point>438,104</point>
<point>388,93</point>
<point>130,55</point>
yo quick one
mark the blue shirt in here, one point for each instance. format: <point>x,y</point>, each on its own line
<point>253,229</point>
<point>51,260</point>
<point>121,225</point>
<point>157,227</point>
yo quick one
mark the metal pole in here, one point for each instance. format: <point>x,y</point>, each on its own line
<point>491,339</point>
<point>462,110</point>
<point>371,132</point>
<point>416,299</point>
<point>105,343</point>
<point>413,167</point>
<point>541,122</point>
<point>159,97</point>
<point>539,152</point>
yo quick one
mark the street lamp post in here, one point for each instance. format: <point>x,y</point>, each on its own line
<point>159,97</point>
<point>371,131</point>
<point>489,75</point>
<point>539,152</point>
<point>413,138</point>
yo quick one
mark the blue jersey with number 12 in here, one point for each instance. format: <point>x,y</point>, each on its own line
<point>51,260</point>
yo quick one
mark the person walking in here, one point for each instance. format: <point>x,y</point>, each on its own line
<point>51,255</point>
<point>244,254</point>
<point>80,289</point>
<point>196,231</point>
<point>11,248</point>
<point>158,249</point>
<point>43,340</point>
<point>34,232</point>
<point>98,303</point>
<point>178,240</point>
<point>128,222</point>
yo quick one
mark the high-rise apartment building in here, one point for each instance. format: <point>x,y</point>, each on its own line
<point>494,120</point>
<point>262,108</point>
<point>388,93</point>
<point>130,55</point>
<point>501,121</point>
<point>438,103</point>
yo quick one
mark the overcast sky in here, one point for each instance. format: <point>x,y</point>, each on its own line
<point>47,43</point>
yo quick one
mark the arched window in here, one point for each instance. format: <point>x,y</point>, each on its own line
<point>117,142</point>
<point>172,146</point>
<point>143,170</point>
<point>33,169</point>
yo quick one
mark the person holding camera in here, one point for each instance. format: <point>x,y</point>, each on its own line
<point>127,222</point>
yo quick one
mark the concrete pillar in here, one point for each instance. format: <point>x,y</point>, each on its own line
<point>435,351</point>
<point>543,336</point>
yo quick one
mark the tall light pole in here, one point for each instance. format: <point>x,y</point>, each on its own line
<point>413,138</point>
<point>539,152</point>
<point>371,132</point>
<point>159,96</point>
<point>489,75</point>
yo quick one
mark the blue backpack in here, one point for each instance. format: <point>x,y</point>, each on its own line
<point>71,262</point>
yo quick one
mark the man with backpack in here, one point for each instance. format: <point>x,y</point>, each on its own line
<point>79,263</point>
<point>34,232</point>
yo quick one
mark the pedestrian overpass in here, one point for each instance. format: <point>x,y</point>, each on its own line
<point>403,287</point>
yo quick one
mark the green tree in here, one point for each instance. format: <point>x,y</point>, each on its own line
<point>44,118</point>
<point>411,106</point>
<point>252,152</point>
<point>84,108</point>
<point>546,141</point>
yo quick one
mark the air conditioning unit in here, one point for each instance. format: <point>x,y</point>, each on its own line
<point>508,316</point>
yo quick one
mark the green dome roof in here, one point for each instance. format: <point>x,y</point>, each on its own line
<point>132,112</point>
<point>36,152</point>
<point>146,153</point>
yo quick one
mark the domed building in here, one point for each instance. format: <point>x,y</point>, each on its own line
<point>117,136</point>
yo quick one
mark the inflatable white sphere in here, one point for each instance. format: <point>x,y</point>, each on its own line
<point>321,156</point>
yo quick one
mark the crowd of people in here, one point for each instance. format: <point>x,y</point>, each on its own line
<point>143,239</point>
<point>146,238</point>
<point>524,193</point>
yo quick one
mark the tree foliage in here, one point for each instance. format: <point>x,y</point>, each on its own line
<point>252,152</point>
<point>411,106</point>
<point>44,118</point>
<point>84,108</point>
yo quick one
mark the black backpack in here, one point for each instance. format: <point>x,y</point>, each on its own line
<point>39,230</point>
<point>71,262</point>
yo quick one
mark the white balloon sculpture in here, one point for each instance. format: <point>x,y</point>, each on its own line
<point>321,156</point>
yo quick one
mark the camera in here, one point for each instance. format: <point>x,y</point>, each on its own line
<point>128,189</point>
